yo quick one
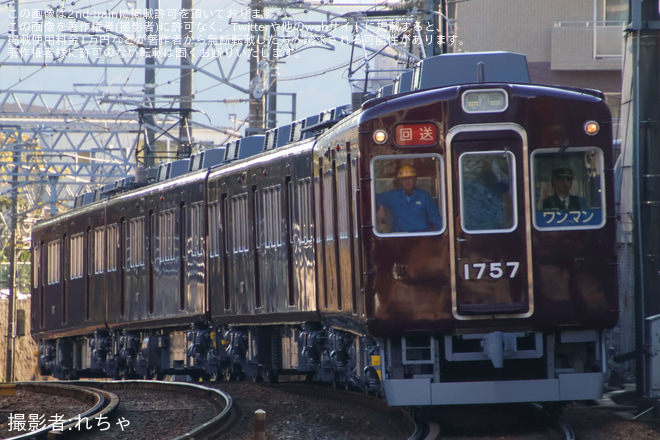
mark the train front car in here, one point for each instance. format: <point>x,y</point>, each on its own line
<point>489,243</point>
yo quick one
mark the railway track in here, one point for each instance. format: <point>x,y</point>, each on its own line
<point>398,415</point>
<point>136,409</point>
<point>142,409</point>
<point>501,422</point>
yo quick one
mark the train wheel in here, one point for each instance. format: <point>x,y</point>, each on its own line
<point>270,377</point>
<point>232,375</point>
<point>148,374</point>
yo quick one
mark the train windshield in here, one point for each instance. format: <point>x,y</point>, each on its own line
<point>568,189</point>
<point>488,192</point>
<point>407,196</point>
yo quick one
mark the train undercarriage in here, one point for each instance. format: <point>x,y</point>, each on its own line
<point>416,370</point>
<point>204,352</point>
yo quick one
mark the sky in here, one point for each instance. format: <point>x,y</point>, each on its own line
<point>318,76</point>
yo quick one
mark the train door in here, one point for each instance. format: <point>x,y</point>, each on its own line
<point>226,250</point>
<point>151,258</point>
<point>53,296</point>
<point>65,279</point>
<point>183,254</point>
<point>37,293</point>
<point>122,267</point>
<point>345,260</point>
<point>331,248</point>
<point>490,200</point>
<point>356,260</point>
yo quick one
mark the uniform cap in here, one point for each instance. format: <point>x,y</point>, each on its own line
<point>407,171</point>
<point>562,172</point>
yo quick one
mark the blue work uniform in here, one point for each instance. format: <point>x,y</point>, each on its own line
<point>414,213</point>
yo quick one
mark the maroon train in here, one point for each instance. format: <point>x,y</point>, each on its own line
<point>292,260</point>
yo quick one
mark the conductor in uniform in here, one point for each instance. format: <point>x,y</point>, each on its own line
<point>562,181</point>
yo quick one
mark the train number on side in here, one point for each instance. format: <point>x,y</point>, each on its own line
<point>477,271</point>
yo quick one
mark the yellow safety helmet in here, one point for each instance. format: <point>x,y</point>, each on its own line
<point>407,171</point>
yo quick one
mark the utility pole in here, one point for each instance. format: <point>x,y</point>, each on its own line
<point>645,29</point>
<point>185,91</point>
<point>272,79</point>
<point>257,88</point>
<point>11,334</point>
<point>152,31</point>
<point>435,29</point>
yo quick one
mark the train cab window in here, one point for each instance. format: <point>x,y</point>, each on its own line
<point>487,192</point>
<point>407,195</point>
<point>568,189</point>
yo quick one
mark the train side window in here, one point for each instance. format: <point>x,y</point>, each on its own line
<point>99,250</point>
<point>36,268</point>
<point>197,226</point>
<point>136,242</point>
<point>76,267</point>
<point>214,231</point>
<point>407,195</point>
<point>269,216</point>
<point>113,244</point>
<point>54,262</point>
<point>239,223</point>
<point>305,214</point>
<point>568,188</point>
<point>488,192</point>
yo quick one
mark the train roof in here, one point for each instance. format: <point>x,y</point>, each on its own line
<point>238,149</point>
<point>442,71</point>
<point>460,68</point>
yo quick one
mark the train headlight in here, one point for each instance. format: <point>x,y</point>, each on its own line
<point>380,137</point>
<point>591,128</point>
<point>485,101</point>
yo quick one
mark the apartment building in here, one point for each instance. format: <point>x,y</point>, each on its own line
<point>575,43</point>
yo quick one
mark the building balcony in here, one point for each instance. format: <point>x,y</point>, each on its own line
<point>586,45</point>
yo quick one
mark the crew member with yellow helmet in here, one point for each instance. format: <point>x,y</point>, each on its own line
<point>411,209</point>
